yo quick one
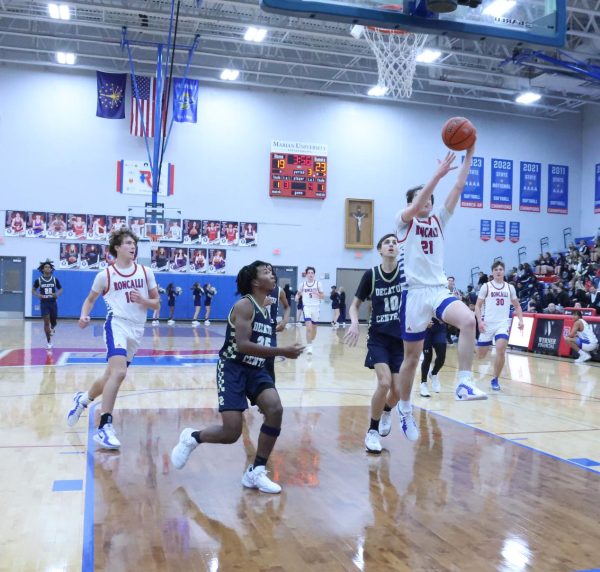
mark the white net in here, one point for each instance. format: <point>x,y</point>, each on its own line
<point>396,54</point>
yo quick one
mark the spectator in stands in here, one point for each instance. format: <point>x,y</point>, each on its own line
<point>550,297</point>
<point>595,250</point>
<point>572,248</point>
<point>553,309</point>
<point>584,249</point>
<point>512,275</point>
<point>545,264</point>
<point>562,297</point>
<point>536,302</point>
<point>531,307</point>
<point>452,287</point>
<point>560,262</point>
<point>470,297</point>
<point>482,279</point>
<point>593,299</point>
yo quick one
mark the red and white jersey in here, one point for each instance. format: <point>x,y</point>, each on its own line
<point>310,293</point>
<point>497,300</point>
<point>116,285</point>
<point>422,249</point>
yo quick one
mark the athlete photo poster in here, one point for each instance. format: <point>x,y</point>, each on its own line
<point>359,223</point>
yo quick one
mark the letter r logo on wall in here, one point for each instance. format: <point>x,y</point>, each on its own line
<point>146,177</point>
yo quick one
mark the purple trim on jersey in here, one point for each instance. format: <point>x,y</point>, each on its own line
<point>484,344</point>
<point>501,337</point>
<point>408,336</point>
<point>410,224</point>
<point>439,311</point>
<point>110,341</point>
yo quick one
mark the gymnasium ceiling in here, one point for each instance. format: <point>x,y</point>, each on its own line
<point>299,55</point>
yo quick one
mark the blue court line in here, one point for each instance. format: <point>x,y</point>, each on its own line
<point>87,558</point>
<point>152,361</point>
<point>71,453</point>
<point>585,462</point>
<point>511,441</point>
<point>589,570</point>
<point>61,486</point>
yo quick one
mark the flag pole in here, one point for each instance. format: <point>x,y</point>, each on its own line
<point>157,122</point>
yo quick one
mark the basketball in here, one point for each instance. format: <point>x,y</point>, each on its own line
<point>458,133</point>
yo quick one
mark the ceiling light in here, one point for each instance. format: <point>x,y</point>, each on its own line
<point>428,56</point>
<point>499,8</point>
<point>59,11</point>
<point>255,34</point>
<point>65,58</point>
<point>528,97</point>
<point>229,74</point>
<point>377,91</point>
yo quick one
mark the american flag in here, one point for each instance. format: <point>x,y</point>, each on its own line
<point>145,108</point>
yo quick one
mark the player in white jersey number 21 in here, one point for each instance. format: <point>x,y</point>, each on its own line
<point>492,311</point>
<point>421,235</point>
<point>311,292</point>
<point>129,290</point>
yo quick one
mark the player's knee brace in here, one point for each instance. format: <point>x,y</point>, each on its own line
<point>270,431</point>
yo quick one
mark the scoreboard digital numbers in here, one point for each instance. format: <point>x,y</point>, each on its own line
<point>298,170</point>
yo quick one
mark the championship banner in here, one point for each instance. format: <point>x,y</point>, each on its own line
<point>548,333</point>
<point>597,190</point>
<point>558,189</point>
<point>485,229</point>
<point>500,230</point>
<point>472,195</point>
<point>530,187</point>
<point>514,231</point>
<point>135,178</point>
<point>502,184</point>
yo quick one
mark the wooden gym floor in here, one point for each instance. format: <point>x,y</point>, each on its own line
<point>509,484</point>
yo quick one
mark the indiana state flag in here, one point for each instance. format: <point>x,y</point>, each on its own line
<point>111,95</point>
<point>185,100</point>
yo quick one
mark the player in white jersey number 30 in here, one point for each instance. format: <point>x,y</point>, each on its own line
<point>129,290</point>
<point>492,311</point>
<point>421,235</point>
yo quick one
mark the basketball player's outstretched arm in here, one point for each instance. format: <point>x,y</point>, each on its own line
<point>444,167</point>
<point>463,173</point>
<point>518,311</point>
<point>351,337</point>
<point>242,315</point>
<point>88,304</point>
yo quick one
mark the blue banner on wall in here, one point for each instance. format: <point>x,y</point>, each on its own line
<point>597,193</point>
<point>514,231</point>
<point>472,195</point>
<point>558,189</point>
<point>500,230</point>
<point>485,229</point>
<point>502,184</point>
<point>530,187</point>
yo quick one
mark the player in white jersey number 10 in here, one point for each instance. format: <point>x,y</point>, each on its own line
<point>492,311</point>
<point>421,235</point>
<point>311,293</point>
<point>129,290</point>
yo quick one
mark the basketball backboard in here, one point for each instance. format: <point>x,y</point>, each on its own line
<point>541,22</point>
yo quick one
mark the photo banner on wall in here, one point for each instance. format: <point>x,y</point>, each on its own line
<point>472,195</point>
<point>485,229</point>
<point>530,187</point>
<point>514,231</point>
<point>135,178</point>
<point>558,189</point>
<point>597,190</point>
<point>500,230</point>
<point>502,184</point>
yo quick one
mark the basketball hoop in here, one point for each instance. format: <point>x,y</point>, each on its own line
<point>395,52</point>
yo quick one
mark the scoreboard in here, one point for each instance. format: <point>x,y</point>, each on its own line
<point>298,175</point>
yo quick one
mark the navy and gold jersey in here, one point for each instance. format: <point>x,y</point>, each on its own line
<point>47,287</point>
<point>385,290</point>
<point>262,333</point>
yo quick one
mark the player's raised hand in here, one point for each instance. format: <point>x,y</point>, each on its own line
<point>84,321</point>
<point>351,337</point>
<point>292,352</point>
<point>445,165</point>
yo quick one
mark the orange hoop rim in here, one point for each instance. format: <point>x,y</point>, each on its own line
<point>392,8</point>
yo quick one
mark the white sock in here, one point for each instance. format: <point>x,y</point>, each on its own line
<point>86,399</point>
<point>405,406</point>
<point>464,375</point>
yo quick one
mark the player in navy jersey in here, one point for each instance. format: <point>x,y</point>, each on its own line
<point>435,339</point>
<point>48,288</point>
<point>129,290</point>
<point>241,376</point>
<point>276,296</point>
<point>385,352</point>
